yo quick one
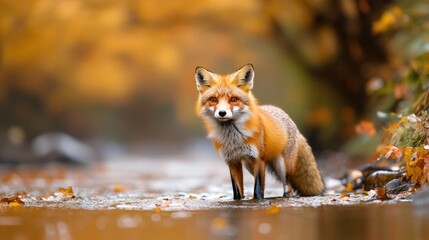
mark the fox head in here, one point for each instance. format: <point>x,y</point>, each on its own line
<point>225,98</point>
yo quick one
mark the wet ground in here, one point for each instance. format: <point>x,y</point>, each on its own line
<point>170,199</point>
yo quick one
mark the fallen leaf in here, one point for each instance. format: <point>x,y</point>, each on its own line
<point>393,152</point>
<point>170,203</point>
<point>365,127</point>
<point>273,210</point>
<point>381,194</point>
<point>426,170</point>
<point>393,126</point>
<point>345,196</point>
<point>349,187</point>
<point>14,200</point>
<point>371,193</point>
<point>15,204</point>
<point>120,188</point>
<point>67,191</point>
<point>63,194</point>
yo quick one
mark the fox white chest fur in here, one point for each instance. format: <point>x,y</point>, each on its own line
<point>232,137</point>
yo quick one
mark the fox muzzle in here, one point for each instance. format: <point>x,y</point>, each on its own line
<point>223,114</point>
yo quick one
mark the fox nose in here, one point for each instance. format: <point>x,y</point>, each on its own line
<point>222,113</point>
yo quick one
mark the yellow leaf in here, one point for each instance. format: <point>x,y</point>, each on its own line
<point>344,196</point>
<point>384,23</point>
<point>393,126</point>
<point>273,210</point>
<point>15,204</point>
<point>67,191</point>
<point>410,171</point>
<point>349,187</point>
<point>118,188</point>
<point>407,151</point>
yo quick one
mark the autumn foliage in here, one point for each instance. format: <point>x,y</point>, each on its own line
<point>402,93</point>
<point>411,146</point>
<point>406,136</point>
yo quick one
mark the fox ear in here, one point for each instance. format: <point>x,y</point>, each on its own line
<point>203,78</point>
<point>244,77</point>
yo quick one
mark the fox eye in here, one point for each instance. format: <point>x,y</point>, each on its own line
<point>213,99</point>
<point>234,99</point>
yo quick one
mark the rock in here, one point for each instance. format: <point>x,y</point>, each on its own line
<point>397,185</point>
<point>62,147</point>
<point>380,178</point>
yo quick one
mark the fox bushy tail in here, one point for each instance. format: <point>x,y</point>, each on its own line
<point>306,177</point>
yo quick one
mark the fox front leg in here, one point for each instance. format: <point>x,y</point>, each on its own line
<point>236,171</point>
<point>259,174</point>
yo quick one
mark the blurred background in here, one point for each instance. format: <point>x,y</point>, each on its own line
<point>118,75</point>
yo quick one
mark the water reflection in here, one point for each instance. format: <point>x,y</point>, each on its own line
<point>376,221</point>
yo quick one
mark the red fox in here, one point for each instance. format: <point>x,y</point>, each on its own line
<point>260,137</point>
